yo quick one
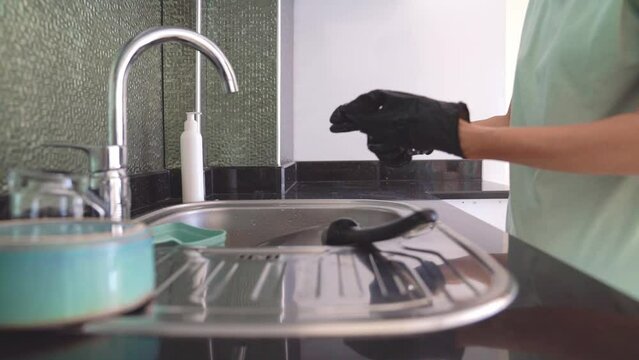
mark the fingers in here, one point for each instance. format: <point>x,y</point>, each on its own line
<point>340,122</point>
<point>421,152</point>
<point>367,103</point>
<point>457,110</point>
<point>389,154</point>
<point>345,117</point>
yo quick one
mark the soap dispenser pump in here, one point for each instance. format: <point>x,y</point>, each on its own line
<point>192,160</point>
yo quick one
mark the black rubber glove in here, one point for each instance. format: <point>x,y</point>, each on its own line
<point>389,154</point>
<point>399,125</point>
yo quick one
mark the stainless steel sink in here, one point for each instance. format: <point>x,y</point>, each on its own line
<point>250,223</point>
<point>432,282</point>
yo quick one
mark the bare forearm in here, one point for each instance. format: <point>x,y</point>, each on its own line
<point>608,146</point>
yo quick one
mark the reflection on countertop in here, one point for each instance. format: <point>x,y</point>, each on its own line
<point>381,190</point>
<point>403,190</point>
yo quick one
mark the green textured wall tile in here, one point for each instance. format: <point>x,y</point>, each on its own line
<point>55,58</point>
<point>238,129</point>
<point>241,129</point>
<point>179,78</point>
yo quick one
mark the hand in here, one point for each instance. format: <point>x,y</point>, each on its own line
<point>389,154</point>
<point>392,155</point>
<point>398,124</point>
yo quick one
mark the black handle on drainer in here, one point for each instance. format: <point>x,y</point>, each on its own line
<point>348,232</point>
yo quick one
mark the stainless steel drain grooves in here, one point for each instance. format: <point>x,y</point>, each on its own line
<point>405,287</point>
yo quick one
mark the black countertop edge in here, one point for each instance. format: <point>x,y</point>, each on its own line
<point>398,190</point>
<point>375,190</point>
<point>422,179</point>
<point>351,170</point>
<point>474,195</point>
<point>149,199</point>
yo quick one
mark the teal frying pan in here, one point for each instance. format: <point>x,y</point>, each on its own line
<point>60,272</point>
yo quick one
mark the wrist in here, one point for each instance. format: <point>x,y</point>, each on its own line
<point>471,139</point>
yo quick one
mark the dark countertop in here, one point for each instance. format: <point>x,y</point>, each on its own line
<point>382,190</point>
<point>393,190</point>
<point>364,189</point>
<point>559,313</point>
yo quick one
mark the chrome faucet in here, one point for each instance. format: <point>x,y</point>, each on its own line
<point>108,164</point>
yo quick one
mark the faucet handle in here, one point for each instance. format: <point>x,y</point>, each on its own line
<point>101,158</point>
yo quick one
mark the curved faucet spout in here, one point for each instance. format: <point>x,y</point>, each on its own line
<point>120,71</point>
<point>108,164</point>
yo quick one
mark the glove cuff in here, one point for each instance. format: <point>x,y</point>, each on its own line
<point>463,114</point>
<point>441,131</point>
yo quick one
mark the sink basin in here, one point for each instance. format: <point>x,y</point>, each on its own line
<point>398,287</point>
<point>249,223</point>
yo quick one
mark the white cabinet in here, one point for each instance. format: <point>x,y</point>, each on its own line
<point>492,211</point>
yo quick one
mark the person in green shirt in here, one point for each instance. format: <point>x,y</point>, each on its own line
<point>571,135</point>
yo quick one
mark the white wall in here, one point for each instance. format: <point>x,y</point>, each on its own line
<point>446,49</point>
<point>285,87</point>
<point>497,171</point>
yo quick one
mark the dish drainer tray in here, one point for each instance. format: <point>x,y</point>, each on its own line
<point>433,282</point>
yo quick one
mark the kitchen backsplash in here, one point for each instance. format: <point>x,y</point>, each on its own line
<point>55,58</point>
<point>179,78</point>
<point>238,129</point>
<point>241,129</point>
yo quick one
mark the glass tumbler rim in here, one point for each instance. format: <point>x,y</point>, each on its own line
<point>27,233</point>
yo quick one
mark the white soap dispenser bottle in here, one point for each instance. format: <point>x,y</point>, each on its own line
<point>192,160</point>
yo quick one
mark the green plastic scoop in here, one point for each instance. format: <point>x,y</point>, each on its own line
<point>187,235</point>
